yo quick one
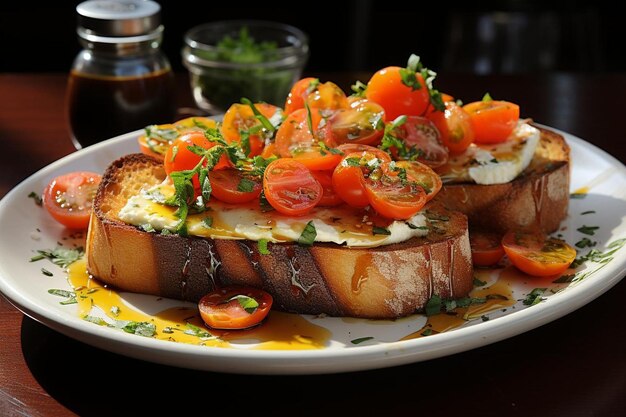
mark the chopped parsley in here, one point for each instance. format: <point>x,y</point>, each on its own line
<point>578,196</point>
<point>361,340</point>
<point>46,272</point>
<point>60,256</point>
<point>246,185</point>
<point>308,234</point>
<point>588,230</point>
<point>70,296</point>
<point>247,303</point>
<point>36,197</point>
<point>585,243</point>
<point>263,250</point>
<point>534,297</point>
<point>377,230</point>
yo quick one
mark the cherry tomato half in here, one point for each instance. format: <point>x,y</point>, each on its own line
<point>423,175</point>
<point>240,117</point>
<point>537,254</point>
<point>329,197</point>
<point>179,158</point>
<point>299,91</point>
<point>391,195</point>
<point>234,186</point>
<point>421,135</point>
<point>295,139</point>
<point>486,247</point>
<point>350,173</point>
<point>493,121</point>
<point>69,198</point>
<point>235,307</point>
<point>362,123</point>
<point>387,88</point>
<point>455,127</point>
<point>290,187</point>
<point>157,139</point>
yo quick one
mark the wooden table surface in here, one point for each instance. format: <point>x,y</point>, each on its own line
<point>574,366</point>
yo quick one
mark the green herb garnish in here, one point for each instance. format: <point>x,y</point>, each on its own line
<point>361,340</point>
<point>534,297</point>
<point>70,296</point>
<point>60,256</point>
<point>246,185</point>
<point>262,245</point>
<point>588,230</point>
<point>377,230</point>
<point>247,303</point>
<point>308,234</point>
<point>585,243</point>
<point>36,197</point>
<point>46,272</point>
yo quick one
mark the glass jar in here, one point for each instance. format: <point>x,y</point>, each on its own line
<point>121,81</point>
<point>228,60</point>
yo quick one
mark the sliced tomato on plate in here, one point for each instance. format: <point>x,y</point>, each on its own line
<point>486,247</point>
<point>398,95</point>
<point>538,254</point>
<point>290,188</point>
<point>423,175</point>
<point>69,198</point>
<point>235,307</point>
<point>234,186</point>
<point>299,91</point>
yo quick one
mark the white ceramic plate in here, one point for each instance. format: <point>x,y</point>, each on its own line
<point>26,227</point>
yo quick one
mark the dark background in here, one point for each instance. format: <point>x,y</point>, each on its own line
<point>493,37</point>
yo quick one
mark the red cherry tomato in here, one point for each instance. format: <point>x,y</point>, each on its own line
<point>330,197</point>
<point>422,141</point>
<point>234,186</point>
<point>290,187</point>
<point>235,307</point>
<point>348,177</point>
<point>486,247</point>
<point>69,198</point>
<point>455,127</point>
<point>387,88</point>
<point>393,197</point>
<point>537,254</point>
<point>493,121</point>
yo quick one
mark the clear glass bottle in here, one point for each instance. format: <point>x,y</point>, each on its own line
<point>121,81</point>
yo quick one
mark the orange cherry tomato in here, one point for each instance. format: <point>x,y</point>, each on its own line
<point>295,139</point>
<point>423,142</point>
<point>329,197</point>
<point>537,254</point>
<point>299,91</point>
<point>347,148</point>
<point>69,198</point>
<point>234,186</point>
<point>240,117</point>
<point>393,197</point>
<point>235,307</point>
<point>387,89</point>
<point>269,150</point>
<point>423,175</point>
<point>290,187</point>
<point>157,139</point>
<point>493,121</point>
<point>455,127</point>
<point>349,175</point>
<point>327,97</point>
<point>179,158</point>
<point>363,123</point>
<point>486,247</point>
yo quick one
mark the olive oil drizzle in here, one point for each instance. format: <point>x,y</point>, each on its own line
<point>281,331</point>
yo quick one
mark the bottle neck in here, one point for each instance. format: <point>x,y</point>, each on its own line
<point>121,46</point>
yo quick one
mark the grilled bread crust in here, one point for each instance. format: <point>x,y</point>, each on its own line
<point>384,282</point>
<point>537,199</point>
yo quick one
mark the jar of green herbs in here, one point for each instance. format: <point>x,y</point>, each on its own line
<point>228,60</point>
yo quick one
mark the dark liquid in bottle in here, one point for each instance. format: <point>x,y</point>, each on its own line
<point>101,107</point>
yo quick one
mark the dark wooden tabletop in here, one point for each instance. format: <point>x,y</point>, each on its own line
<point>574,366</point>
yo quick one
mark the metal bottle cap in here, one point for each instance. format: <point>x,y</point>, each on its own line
<point>123,18</point>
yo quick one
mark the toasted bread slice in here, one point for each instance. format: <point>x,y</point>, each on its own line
<point>537,199</point>
<point>383,282</point>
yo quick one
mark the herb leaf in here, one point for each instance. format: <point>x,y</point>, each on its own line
<point>60,256</point>
<point>588,230</point>
<point>246,185</point>
<point>534,297</point>
<point>361,340</point>
<point>263,250</point>
<point>36,197</point>
<point>247,303</point>
<point>308,234</point>
<point>376,230</point>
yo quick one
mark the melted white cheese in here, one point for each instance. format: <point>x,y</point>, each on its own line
<point>340,225</point>
<point>493,163</point>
